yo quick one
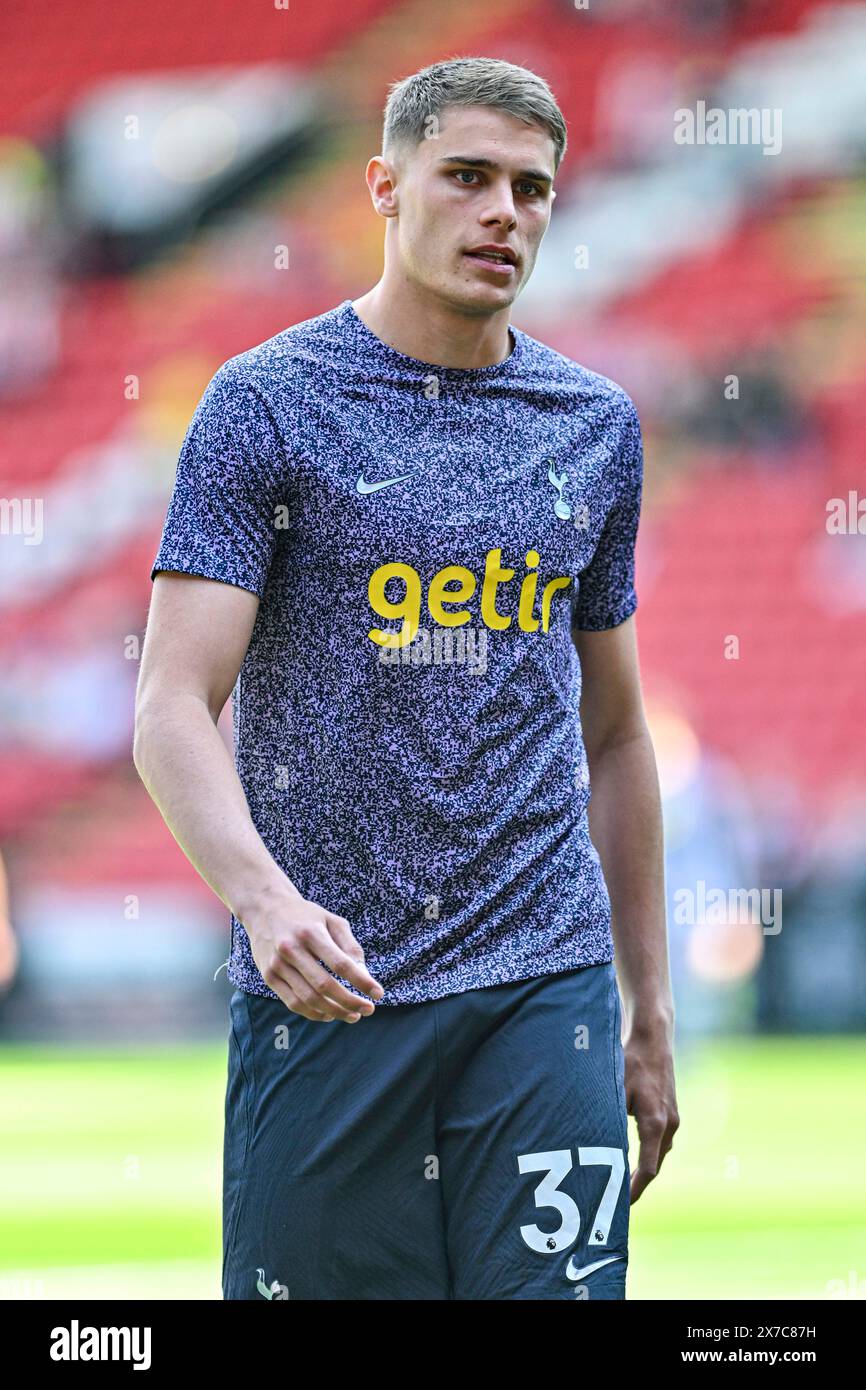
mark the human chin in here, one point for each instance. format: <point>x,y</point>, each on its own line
<point>485,295</point>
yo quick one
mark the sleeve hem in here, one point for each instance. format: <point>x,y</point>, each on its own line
<point>610,623</point>
<point>203,570</point>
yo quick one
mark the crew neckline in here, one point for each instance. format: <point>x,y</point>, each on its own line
<point>418,364</point>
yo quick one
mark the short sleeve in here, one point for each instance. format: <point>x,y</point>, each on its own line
<point>221,519</point>
<point>606,594</point>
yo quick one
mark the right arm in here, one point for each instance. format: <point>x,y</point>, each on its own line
<point>197,635</point>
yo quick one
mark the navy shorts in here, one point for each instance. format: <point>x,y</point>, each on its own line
<point>469,1147</point>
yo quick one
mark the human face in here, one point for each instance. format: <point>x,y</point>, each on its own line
<point>485,180</point>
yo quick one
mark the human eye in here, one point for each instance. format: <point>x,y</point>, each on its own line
<point>533,187</point>
<point>473,173</point>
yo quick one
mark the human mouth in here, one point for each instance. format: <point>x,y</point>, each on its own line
<point>494,260</point>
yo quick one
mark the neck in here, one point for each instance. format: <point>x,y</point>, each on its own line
<point>417,323</point>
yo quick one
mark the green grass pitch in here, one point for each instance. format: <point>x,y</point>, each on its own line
<point>110,1169</point>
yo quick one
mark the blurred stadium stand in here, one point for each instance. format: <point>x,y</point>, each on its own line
<point>153,162</point>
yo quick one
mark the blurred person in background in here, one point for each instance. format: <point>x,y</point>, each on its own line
<point>8,941</point>
<point>30,258</point>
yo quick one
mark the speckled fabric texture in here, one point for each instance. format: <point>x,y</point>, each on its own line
<point>406,721</point>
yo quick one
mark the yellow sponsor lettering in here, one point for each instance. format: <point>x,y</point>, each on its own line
<point>453,587</point>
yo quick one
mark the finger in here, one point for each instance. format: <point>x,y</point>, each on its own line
<point>293,962</point>
<point>668,1139</point>
<point>642,1177</point>
<point>331,993</point>
<point>301,994</point>
<point>342,933</point>
<point>353,968</point>
<point>651,1131</point>
<point>280,983</point>
<point>315,987</point>
<point>638,1182</point>
<point>314,945</point>
<point>290,986</point>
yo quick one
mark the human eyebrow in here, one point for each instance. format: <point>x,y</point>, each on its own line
<point>471,162</point>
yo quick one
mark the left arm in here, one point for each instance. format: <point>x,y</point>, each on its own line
<point>625,819</point>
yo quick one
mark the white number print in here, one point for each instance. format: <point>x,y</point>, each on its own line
<point>555,1165</point>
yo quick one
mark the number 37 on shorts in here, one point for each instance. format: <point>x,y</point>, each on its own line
<point>591,1255</point>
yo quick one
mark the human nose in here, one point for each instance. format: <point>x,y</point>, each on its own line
<point>500,206</point>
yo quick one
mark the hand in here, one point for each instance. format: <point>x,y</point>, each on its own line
<point>651,1097</point>
<point>289,936</point>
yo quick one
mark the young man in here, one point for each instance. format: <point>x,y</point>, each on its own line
<point>388,524</point>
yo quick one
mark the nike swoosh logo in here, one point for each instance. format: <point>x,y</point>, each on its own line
<point>572,1273</point>
<point>364,487</point>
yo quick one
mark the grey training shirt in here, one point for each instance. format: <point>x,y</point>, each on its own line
<point>406,723</point>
